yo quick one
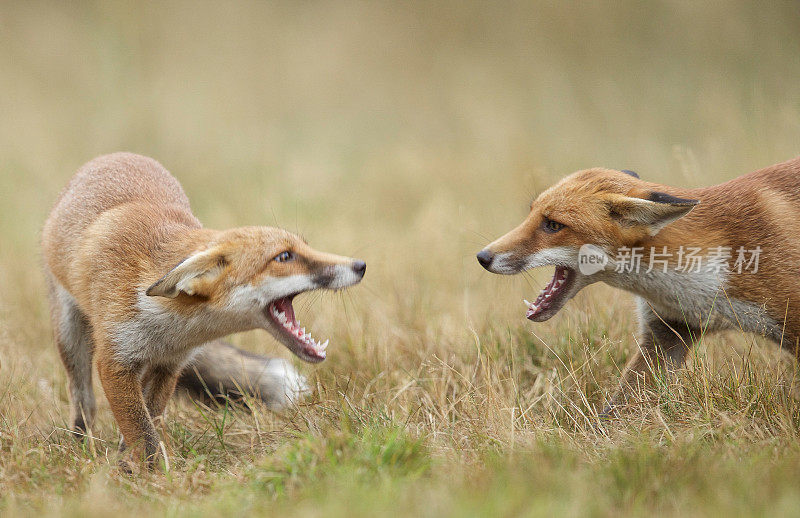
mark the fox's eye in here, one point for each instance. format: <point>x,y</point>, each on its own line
<point>284,257</point>
<point>551,226</point>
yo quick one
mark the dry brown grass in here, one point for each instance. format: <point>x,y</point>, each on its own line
<point>409,135</point>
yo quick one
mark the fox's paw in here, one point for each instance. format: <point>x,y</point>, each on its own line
<point>609,412</point>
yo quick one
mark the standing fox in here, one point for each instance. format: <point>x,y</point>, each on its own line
<point>137,282</point>
<point>698,260</point>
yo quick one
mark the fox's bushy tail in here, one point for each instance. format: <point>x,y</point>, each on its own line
<point>221,371</point>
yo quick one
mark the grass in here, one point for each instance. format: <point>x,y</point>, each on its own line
<point>409,135</point>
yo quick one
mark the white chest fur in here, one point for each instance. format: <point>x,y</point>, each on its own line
<point>157,335</point>
<point>697,298</point>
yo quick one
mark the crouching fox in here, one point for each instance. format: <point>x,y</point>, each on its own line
<point>137,283</point>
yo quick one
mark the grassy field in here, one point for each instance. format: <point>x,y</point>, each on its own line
<point>409,135</point>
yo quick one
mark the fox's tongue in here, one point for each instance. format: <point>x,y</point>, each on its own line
<point>551,293</point>
<point>284,306</point>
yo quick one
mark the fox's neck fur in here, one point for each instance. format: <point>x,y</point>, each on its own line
<point>175,237</point>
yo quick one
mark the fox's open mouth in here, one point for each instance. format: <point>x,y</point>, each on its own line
<point>291,334</point>
<point>553,296</point>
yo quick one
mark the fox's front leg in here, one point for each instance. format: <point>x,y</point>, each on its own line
<point>159,384</point>
<point>663,346</point>
<point>123,389</point>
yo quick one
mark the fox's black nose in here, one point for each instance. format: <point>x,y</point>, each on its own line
<point>485,257</point>
<point>359,267</point>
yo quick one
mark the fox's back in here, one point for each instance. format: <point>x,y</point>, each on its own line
<point>104,183</point>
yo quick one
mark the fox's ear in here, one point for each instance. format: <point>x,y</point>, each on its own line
<point>656,212</point>
<point>193,276</point>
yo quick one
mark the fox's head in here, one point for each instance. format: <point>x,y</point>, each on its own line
<point>601,207</point>
<point>248,277</point>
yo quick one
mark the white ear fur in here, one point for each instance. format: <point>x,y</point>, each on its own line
<point>654,215</point>
<point>185,276</point>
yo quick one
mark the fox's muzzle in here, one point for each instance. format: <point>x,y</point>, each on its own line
<point>341,275</point>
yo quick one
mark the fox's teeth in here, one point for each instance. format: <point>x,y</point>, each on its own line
<point>527,303</point>
<point>300,333</point>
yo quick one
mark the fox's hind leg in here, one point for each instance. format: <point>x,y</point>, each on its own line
<point>73,336</point>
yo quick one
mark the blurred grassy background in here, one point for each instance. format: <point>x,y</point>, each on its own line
<point>409,134</point>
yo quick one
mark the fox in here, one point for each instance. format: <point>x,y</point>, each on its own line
<point>742,237</point>
<point>138,285</point>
